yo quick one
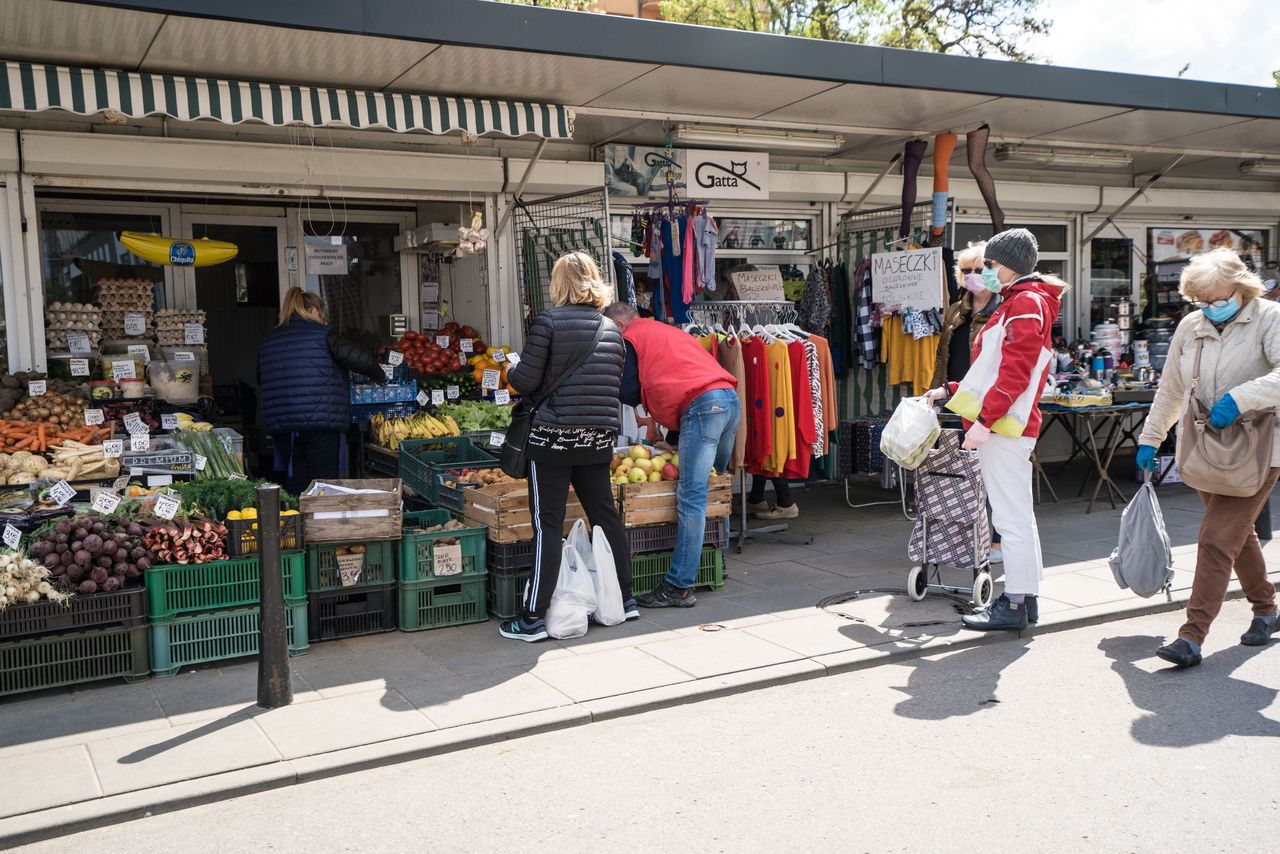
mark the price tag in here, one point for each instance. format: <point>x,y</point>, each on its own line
<point>451,392</point>
<point>437,396</point>
<point>183,356</point>
<point>37,388</point>
<point>94,417</point>
<point>113,448</point>
<point>193,333</point>
<point>12,536</point>
<point>447,559</point>
<point>135,324</point>
<point>513,359</point>
<point>497,440</point>
<point>123,371</point>
<point>139,442</point>
<point>395,357</point>
<point>422,398</point>
<point>134,424</point>
<point>499,356</point>
<point>61,492</point>
<point>140,351</point>
<point>78,342</point>
<point>79,367</point>
<point>442,341</point>
<point>121,482</point>
<point>159,480</point>
<point>468,345</point>
<point>502,397</point>
<point>201,462</point>
<point>105,502</point>
<point>389,371</point>
<point>167,506</point>
<point>490,378</point>
<point>169,422</point>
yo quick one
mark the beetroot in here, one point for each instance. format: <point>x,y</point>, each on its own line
<point>64,527</point>
<point>104,561</point>
<point>67,558</point>
<point>52,560</point>
<point>132,571</point>
<point>87,586</point>
<point>83,558</point>
<point>79,533</point>
<point>99,575</point>
<point>111,584</point>
<point>119,568</point>
<point>74,573</point>
<point>134,529</point>
<point>98,527</point>
<point>77,545</point>
<point>93,543</point>
<point>137,553</point>
<point>109,547</point>
<point>144,564</point>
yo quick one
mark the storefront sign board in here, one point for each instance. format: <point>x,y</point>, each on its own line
<point>327,259</point>
<point>727,174</point>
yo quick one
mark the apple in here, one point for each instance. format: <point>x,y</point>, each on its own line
<point>637,476</point>
<point>675,460</point>
<point>645,466</point>
<point>639,452</point>
<point>621,480</point>
<point>670,472</point>
<point>655,476</point>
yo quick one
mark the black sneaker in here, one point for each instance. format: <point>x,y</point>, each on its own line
<point>1180,653</point>
<point>631,610</point>
<point>1002,616</point>
<point>519,629</point>
<point>667,595</point>
<point>1260,632</point>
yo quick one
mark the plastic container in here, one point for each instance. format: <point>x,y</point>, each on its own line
<point>217,636</point>
<point>175,589</point>
<point>423,460</point>
<point>51,661</point>
<point>334,614</point>
<point>648,570</point>
<point>505,591</point>
<point>123,608</point>
<point>102,389</point>
<point>132,389</point>
<point>442,602</point>
<point>660,538</point>
<point>417,549</point>
<point>509,557</point>
<point>176,382</point>
<point>379,565</point>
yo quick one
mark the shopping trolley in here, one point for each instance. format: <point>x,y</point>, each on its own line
<point>952,526</point>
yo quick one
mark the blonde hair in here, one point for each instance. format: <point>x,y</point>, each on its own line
<point>576,280</point>
<point>298,303</point>
<point>975,250</point>
<point>1206,272</point>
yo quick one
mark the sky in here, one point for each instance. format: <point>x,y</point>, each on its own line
<point>1226,41</point>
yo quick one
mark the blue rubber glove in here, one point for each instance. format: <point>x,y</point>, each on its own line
<point>1146,458</point>
<point>1224,413</point>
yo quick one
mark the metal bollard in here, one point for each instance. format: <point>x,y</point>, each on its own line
<point>1262,525</point>
<point>274,688</point>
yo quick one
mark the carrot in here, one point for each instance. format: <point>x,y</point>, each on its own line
<point>40,442</point>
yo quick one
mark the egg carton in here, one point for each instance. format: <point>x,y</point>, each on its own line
<point>57,338</point>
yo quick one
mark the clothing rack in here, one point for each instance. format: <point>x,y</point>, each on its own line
<point>738,312</point>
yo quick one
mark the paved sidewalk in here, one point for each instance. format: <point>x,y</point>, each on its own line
<point>106,752</point>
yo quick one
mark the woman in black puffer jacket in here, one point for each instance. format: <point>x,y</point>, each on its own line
<point>574,431</point>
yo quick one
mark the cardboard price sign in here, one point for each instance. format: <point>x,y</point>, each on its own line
<point>502,397</point>
<point>763,284</point>
<point>389,371</point>
<point>12,536</point>
<point>139,442</point>
<point>422,398</point>
<point>78,342</point>
<point>113,448</point>
<point>105,502</point>
<point>121,482</point>
<point>169,422</point>
<point>93,417</point>
<point>192,333</point>
<point>452,392</point>
<point>201,462</point>
<point>140,351</point>
<point>437,396</point>
<point>79,367</point>
<point>442,341</point>
<point>62,492</point>
<point>447,559</point>
<point>184,356</point>
<point>490,378</point>
<point>468,345</point>
<point>909,279</point>
<point>395,357</point>
<point>135,324</point>
<point>134,424</point>
<point>513,359</point>
<point>499,356</point>
<point>123,371</point>
<point>167,506</point>
<point>497,440</point>
<point>37,388</point>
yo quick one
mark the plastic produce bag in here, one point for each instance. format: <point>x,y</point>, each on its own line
<point>1143,561</point>
<point>574,598</point>
<point>597,556</point>
<point>911,433</point>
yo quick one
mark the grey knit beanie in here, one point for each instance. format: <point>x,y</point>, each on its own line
<point>1016,249</point>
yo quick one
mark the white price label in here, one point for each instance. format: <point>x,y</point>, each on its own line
<point>395,357</point>
<point>37,388</point>
<point>105,502</point>
<point>134,424</point>
<point>389,371</point>
<point>183,356</point>
<point>121,482</point>
<point>437,396</point>
<point>422,398</point>
<point>442,341</point>
<point>113,448</point>
<point>79,367</point>
<point>499,356</point>
<point>139,442</point>
<point>169,421</point>
<point>451,392</point>
<point>468,345</point>
<point>490,378</point>
<point>94,417</point>
<point>135,324</point>
<point>78,342</point>
<point>201,462</point>
<point>193,333</point>
<point>502,397</point>
<point>123,371</point>
<point>140,351</point>
<point>497,440</point>
<point>447,559</point>
<point>513,359</point>
<point>62,492</point>
<point>159,480</point>
<point>167,506</point>
<point>12,536</point>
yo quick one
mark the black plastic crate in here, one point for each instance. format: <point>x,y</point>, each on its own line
<point>242,535</point>
<point>509,557</point>
<point>662,538</point>
<point>123,608</point>
<point>348,612</point>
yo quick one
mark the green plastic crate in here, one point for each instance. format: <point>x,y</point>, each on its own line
<point>422,460</point>
<point>379,565</point>
<point>52,661</point>
<point>417,550</point>
<point>440,602</point>
<point>182,588</point>
<point>201,638</point>
<point>647,570</point>
<point>506,589</point>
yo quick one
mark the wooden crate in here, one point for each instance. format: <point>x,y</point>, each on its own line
<point>504,509</point>
<point>350,527</point>
<point>655,503</point>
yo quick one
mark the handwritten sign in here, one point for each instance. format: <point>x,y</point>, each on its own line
<point>121,482</point>
<point>447,559</point>
<point>497,440</point>
<point>62,492</point>
<point>183,356</point>
<point>169,421</point>
<point>105,502</point>
<point>389,371</point>
<point>513,359</point>
<point>123,371</point>
<point>193,333</point>
<point>762,284</point>
<point>467,345</point>
<point>167,506</point>
<point>134,324</point>
<point>112,448</point>
<point>442,341</point>
<point>12,536</point>
<point>489,379</point>
<point>502,397</point>
<point>37,388</point>
<point>79,367</point>
<point>437,396</point>
<point>499,356</point>
<point>201,462</point>
<point>93,417</point>
<point>139,442</point>
<point>422,398</point>
<point>140,351</point>
<point>395,357</point>
<point>134,424</point>
<point>78,342</point>
<point>451,392</point>
<point>909,279</point>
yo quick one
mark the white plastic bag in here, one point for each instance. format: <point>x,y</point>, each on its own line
<point>610,610</point>
<point>573,600</point>
<point>911,433</point>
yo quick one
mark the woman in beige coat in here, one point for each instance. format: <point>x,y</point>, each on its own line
<point>1239,337</point>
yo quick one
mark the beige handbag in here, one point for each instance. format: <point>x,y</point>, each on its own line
<point>1233,461</point>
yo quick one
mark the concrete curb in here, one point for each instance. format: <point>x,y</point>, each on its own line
<point>85,815</point>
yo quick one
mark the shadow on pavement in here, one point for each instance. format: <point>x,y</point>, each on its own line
<point>153,750</point>
<point>962,683</point>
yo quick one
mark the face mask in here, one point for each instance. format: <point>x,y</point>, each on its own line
<point>1223,313</point>
<point>973,283</point>
<point>991,280</point>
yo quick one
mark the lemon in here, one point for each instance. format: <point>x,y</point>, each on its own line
<point>234,516</point>
<point>289,513</point>
<point>249,513</point>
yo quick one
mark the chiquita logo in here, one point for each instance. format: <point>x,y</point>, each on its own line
<point>710,175</point>
<point>181,254</point>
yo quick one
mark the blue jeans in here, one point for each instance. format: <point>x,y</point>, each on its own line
<point>707,430</point>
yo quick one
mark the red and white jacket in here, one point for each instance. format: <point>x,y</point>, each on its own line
<point>1012,357</point>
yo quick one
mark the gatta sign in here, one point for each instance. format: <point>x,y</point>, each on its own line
<point>726,174</point>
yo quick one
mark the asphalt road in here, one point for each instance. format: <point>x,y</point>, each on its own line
<point>1077,741</point>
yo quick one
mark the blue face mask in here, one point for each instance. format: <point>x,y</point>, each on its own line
<point>1222,313</point>
<point>991,280</point>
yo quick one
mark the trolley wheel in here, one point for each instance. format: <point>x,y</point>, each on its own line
<point>983,589</point>
<point>918,582</point>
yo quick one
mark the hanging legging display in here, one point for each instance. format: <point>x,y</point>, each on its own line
<point>944,145</point>
<point>912,157</point>
<point>976,143</point>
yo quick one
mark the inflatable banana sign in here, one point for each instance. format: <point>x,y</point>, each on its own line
<point>177,252</point>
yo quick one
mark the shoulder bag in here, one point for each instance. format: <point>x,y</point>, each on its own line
<point>513,459</point>
<point>1235,460</point>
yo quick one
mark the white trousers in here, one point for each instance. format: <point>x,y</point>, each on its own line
<point>1007,470</point>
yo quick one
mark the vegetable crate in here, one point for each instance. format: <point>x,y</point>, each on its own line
<point>504,509</point>
<point>648,570</point>
<point>346,518</point>
<point>441,602</point>
<point>392,392</point>
<point>451,495</point>
<point>345,613</point>
<point>185,588</point>
<point>242,535</point>
<point>509,557</point>
<point>506,589</point>
<point>363,412</point>
<point>182,641</point>
<point>380,461</point>
<point>418,548</point>
<point>655,503</point>
<point>662,538</point>
<point>51,661</point>
<point>423,460</point>
<point>123,609</point>
<point>379,565</point>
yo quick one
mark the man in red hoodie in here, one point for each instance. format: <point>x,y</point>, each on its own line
<point>684,388</point>
<point>999,398</point>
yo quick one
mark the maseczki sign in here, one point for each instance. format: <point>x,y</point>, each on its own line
<point>908,279</point>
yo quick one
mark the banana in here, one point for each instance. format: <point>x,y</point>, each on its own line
<point>178,252</point>
<point>452,425</point>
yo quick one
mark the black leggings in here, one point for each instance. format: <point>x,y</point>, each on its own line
<point>548,495</point>
<point>309,455</point>
<point>781,488</point>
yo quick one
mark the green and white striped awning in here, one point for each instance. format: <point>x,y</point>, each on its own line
<point>33,87</point>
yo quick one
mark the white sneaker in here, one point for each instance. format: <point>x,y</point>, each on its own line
<point>792,512</point>
<point>756,509</point>
<point>997,556</point>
